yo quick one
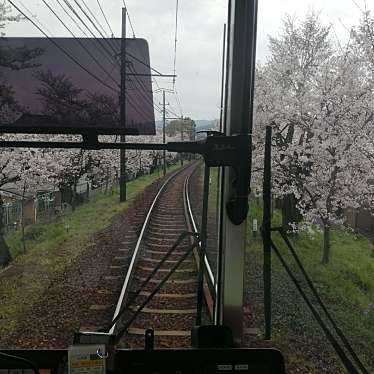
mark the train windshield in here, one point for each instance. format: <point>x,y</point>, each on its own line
<point>126,163</point>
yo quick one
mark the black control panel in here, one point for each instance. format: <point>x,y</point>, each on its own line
<point>201,361</point>
<point>164,361</point>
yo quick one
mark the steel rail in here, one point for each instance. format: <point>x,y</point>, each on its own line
<point>192,220</point>
<point>136,250</point>
<point>126,283</point>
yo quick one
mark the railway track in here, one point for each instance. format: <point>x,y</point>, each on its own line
<point>172,310</point>
<point>83,295</point>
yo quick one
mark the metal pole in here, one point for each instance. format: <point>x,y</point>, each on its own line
<point>163,131</point>
<point>182,139</point>
<point>202,251</point>
<point>222,77</point>
<point>238,119</point>
<point>266,233</point>
<point>122,179</point>
<point>219,177</point>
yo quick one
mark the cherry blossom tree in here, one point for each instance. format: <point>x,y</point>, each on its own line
<point>314,95</point>
<point>17,166</point>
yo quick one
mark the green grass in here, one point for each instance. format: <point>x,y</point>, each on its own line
<point>346,285</point>
<point>52,247</point>
<point>87,219</point>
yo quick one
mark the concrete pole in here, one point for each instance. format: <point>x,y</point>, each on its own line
<point>122,179</point>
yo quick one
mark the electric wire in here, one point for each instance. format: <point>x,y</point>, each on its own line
<point>144,89</point>
<point>94,17</point>
<point>36,18</point>
<point>129,100</point>
<point>144,94</point>
<point>106,20</point>
<point>72,18</point>
<point>172,112</point>
<point>175,39</point>
<point>81,44</point>
<point>103,36</point>
<point>72,58</point>
<point>141,85</point>
<point>178,100</point>
<point>95,27</point>
<point>88,29</point>
<point>140,96</point>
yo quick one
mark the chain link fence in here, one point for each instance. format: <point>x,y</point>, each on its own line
<point>48,204</point>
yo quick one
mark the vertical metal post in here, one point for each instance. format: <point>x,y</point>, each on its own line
<point>163,131</point>
<point>239,113</point>
<point>182,139</point>
<point>266,233</point>
<point>202,252</point>
<point>219,177</point>
<point>222,78</point>
<point>122,179</point>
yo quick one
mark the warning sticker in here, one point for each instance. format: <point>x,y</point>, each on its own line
<point>87,359</point>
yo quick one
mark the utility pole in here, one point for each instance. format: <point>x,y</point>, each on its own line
<point>164,104</point>
<point>182,140</point>
<point>163,131</point>
<point>122,179</point>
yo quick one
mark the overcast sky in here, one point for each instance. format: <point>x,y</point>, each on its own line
<point>199,47</point>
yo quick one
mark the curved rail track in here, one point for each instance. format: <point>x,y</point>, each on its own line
<point>171,312</point>
<point>83,294</point>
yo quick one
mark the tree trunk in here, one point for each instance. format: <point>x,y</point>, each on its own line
<point>326,244</point>
<point>74,197</point>
<point>23,218</point>
<point>106,181</point>
<point>290,214</point>
<point>5,256</point>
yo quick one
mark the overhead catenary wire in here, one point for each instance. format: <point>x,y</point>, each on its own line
<point>157,108</point>
<point>142,89</point>
<point>175,39</point>
<point>112,56</point>
<point>72,58</point>
<point>178,101</point>
<point>172,112</point>
<point>143,96</point>
<point>72,18</point>
<point>35,17</point>
<point>62,49</point>
<point>81,44</point>
<point>144,93</point>
<point>116,53</point>
<point>104,51</point>
<point>94,17</point>
<point>106,20</point>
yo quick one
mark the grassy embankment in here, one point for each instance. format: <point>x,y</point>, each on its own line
<point>346,285</point>
<point>51,247</point>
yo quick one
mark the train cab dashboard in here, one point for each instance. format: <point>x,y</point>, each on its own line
<point>158,361</point>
